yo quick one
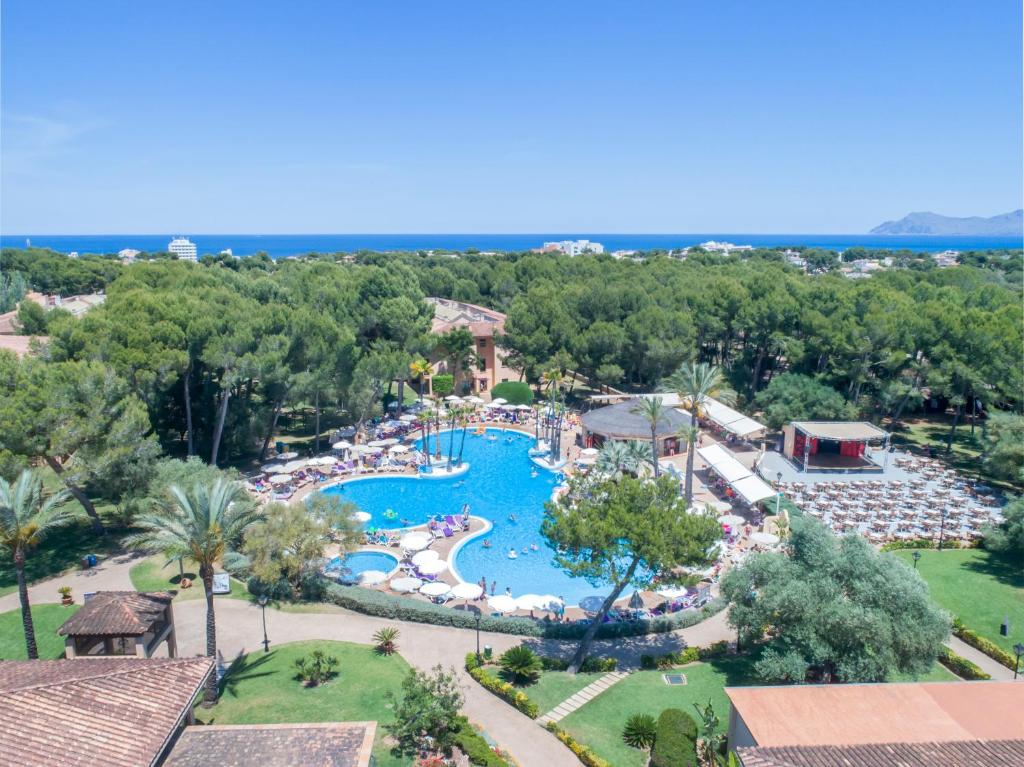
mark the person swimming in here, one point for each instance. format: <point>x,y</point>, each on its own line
<point>526,550</point>
<point>512,554</point>
<point>511,517</point>
<point>533,473</point>
<point>534,547</point>
<point>487,543</point>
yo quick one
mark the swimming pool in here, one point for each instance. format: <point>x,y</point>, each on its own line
<point>358,562</point>
<point>501,481</point>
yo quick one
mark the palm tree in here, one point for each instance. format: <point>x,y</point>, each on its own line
<point>426,415</point>
<point>25,519</point>
<point>697,384</point>
<point>464,423</point>
<point>614,458</point>
<point>640,455</point>
<point>651,410</point>
<point>420,368</point>
<point>689,435</point>
<point>202,525</point>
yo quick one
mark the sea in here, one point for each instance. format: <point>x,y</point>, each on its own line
<point>283,245</point>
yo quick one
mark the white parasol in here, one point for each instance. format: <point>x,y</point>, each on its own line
<point>395,449</point>
<point>530,602</point>
<point>474,400</point>
<point>343,445</point>
<point>372,577</point>
<point>291,466</point>
<point>499,401</point>
<point>523,407</point>
<point>721,506</point>
<point>407,418</point>
<point>414,542</point>
<point>766,539</point>
<point>405,585</point>
<point>422,557</point>
<point>288,456</point>
<point>361,516</point>
<point>453,398</point>
<point>324,460</point>
<point>673,592</point>
<point>589,451</point>
<point>435,589</point>
<point>433,567</point>
<point>502,603</point>
<point>732,520</point>
<point>271,468</point>
<point>281,479</point>
<point>366,449</point>
<point>467,591</point>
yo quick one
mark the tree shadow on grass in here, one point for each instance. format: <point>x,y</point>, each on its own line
<point>243,668</point>
<point>1005,569</point>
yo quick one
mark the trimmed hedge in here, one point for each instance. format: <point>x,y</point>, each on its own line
<point>978,642</point>
<point>518,699</point>
<point>960,666</point>
<point>676,742</point>
<point>516,392</point>
<point>442,384</point>
<point>590,663</point>
<point>383,605</point>
<point>583,753</point>
<point>473,745</point>
<point>684,656</point>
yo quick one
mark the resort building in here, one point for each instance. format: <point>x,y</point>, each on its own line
<point>870,725</point>
<point>21,345</point>
<point>127,255</point>
<point>619,422</point>
<point>120,623</point>
<point>573,247</point>
<point>834,445</point>
<point>183,248</point>
<point>484,324</point>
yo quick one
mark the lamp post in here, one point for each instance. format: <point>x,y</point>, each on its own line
<point>917,558</point>
<point>478,637</point>
<point>263,608</point>
<point>1019,649</point>
<point>778,492</point>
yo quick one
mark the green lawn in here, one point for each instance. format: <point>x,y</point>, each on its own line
<point>151,574</point>
<point>262,689</point>
<point>46,619</point>
<point>555,686</point>
<point>977,587</point>
<point>939,673</point>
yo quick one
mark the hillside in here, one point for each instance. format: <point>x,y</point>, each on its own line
<point>1003,225</point>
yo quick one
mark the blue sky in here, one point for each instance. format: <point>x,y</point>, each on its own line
<point>505,117</point>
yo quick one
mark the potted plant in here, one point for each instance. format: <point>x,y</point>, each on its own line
<point>65,595</point>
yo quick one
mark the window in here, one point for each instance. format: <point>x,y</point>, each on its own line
<point>483,343</point>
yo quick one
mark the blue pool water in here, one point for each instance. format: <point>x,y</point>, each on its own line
<point>499,483</point>
<point>360,561</point>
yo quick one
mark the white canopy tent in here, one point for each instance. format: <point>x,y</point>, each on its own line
<point>747,485</point>
<point>753,489</point>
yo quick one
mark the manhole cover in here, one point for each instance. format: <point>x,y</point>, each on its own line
<point>674,679</point>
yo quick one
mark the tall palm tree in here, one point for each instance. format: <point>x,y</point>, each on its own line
<point>689,435</point>
<point>651,411</point>
<point>25,519</point>
<point>640,455</point>
<point>203,525</point>
<point>698,384</point>
<point>426,415</point>
<point>420,368</point>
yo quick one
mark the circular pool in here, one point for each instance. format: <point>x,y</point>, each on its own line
<point>351,566</point>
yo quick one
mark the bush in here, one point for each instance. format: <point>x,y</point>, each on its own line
<point>502,689</point>
<point>442,385</point>
<point>583,753</point>
<point>716,650</point>
<point>553,664</point>
<point>385,640</point>
<point>960,666</point>
<point>682,657</point>
<point>521,664</point>
<point>991,649</point>
<point>675,744</point>
<point>592,664</point>
<point>381,605</point>
<point>316,668</point>
<point>639,731</point>
<point>516,392</point>
<point>475,747</point>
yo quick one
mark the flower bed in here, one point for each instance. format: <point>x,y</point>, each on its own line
<point>518,699</point>
<point>991,649</point>
<point>583,753</point>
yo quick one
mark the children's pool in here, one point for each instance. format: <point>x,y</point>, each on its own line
<point>351,566</point>
<point>502,486</point>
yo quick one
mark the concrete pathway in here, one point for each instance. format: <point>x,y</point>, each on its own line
<point>111,574</point>
<point>582,697</point>
<point>990,666</point>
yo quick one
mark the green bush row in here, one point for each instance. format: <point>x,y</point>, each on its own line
<point>978,642</point>
<point>383,605</point>
<point>520,700</point>
<point>684,656</point>
<point>516,392</point>
<point>473,745</point>
<point>583,753</point>
<point>960,666</point>
<point>591,663</point>
<point>675,745</point>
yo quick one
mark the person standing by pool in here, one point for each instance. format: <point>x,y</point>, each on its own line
<point>494,585</point>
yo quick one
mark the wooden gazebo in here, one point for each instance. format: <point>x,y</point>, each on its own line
<point>120,623</point>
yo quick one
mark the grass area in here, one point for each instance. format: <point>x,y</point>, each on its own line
<point>939,673</point>
<point>599,723</point>
<point>261,689</point>
<point>60,551</point>
<point>555,686</point>
<point>46,619</point>
<point>977,586</point>
<point>152,574</point>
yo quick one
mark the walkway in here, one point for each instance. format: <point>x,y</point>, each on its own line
<point>111,574</point>
<point>990,666</point>
<point>584,696</point>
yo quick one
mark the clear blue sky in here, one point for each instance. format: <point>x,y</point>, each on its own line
<point>681,116</point>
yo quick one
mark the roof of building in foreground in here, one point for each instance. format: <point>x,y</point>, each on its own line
<point>116,712</point>
<point>857,714</point>
<point>117,613</point>
<point>332,744</point>
<point>965,753</point>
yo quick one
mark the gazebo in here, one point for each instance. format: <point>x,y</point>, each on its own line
<point>833,445</point>
<point>120,623</point>
<point>619,422</point>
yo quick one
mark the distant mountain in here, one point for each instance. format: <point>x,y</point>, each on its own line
<point>1003,225</point>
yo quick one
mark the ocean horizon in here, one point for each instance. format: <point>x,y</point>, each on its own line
<point>283,245</point>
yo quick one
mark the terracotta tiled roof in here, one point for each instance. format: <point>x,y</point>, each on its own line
<point>334,744</point>
<point>965,753</point>
<point>118,613</point>
<point>115,712</point>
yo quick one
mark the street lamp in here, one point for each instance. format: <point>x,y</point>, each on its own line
<point>917,557</point>
<point>478,637</point>
<point>1019,649</point>
<point>778,492</point>
<point>263,607</point>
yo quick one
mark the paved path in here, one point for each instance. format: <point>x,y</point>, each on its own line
<point>111,574</point>
<point>578,699</point>
<point>990,666</point>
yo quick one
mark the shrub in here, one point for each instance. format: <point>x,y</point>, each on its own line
<point>648,662</point>
<point>916,543</point>
<point>316,668</point>
<point>502,689</point>
<point>516,392</point>
<point>960,666</point>
<point>639,731</point>
<point>991,649</point>
<point>553,664</point>
<point>716,650</point>
<point>442,384</point>
<point>592,663</point>
<point>675,743</point>
<point>475,747</point>
<point>521,663</point>
<point>678,658</point>
<point>583,753</point>
<point>385,639</point>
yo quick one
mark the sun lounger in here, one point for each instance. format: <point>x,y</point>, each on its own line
<point>449,520</point>
<point>448,532</point>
